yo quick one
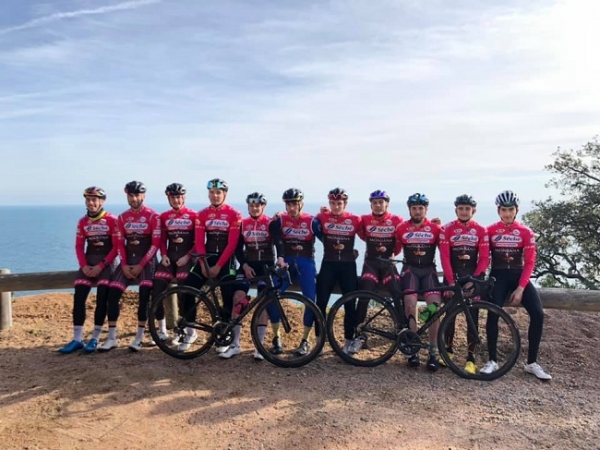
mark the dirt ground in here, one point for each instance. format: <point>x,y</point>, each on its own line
<point>125,400</point>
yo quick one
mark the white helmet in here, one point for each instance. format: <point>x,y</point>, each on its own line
<point>507,199</point>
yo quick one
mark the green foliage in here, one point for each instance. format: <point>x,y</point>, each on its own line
<point>568,230</point>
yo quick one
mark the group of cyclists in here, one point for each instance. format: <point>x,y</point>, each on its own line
<point>137,235</point>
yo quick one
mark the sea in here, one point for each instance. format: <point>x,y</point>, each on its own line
<point>42,238</point>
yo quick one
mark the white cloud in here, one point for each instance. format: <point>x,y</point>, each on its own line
<point>269,95</point>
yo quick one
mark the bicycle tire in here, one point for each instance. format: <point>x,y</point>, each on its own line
<point>293,306</point>
<point>205,316</point>
<point>509,340</point>
<point>379,328</point>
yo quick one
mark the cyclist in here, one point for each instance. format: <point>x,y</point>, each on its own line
<point>513,259</point>
<point>139,239</point>
<point>464,250</point>
<point>339,259</point>
<point>379,233</point>
<point>97,229</point>
<point>298,231</point>
<point>217,232</point>
<point>419,237</point>
<point>254,251</point>
<point>176,246</point>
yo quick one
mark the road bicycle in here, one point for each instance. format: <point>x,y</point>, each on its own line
<point>201,311</point>
<point>382,327</point>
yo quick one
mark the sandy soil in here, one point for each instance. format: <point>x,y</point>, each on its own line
<point>125,400</point>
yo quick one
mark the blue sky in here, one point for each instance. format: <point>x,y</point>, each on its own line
<point>408,96</point>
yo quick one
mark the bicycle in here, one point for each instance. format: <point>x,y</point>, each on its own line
<point>205,316</point>
<point>384,329</point>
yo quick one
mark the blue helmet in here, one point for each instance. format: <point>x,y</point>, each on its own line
<point>417,199</point>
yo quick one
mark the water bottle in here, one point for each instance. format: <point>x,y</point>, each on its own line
<point>428,312</point>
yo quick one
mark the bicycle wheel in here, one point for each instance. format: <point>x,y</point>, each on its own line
<point>374,322</point>
<point>474,342</point>
<point>291,311</point>
<point>195,313</point>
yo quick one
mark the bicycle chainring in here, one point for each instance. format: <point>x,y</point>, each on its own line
<point>223,334</point>
<point>409,342</point>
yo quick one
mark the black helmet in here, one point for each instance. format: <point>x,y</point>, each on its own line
<point>217,183</point>
<point>507,199</point>
<point>175,189</point>
<point>95,191</point>
<point>375,195</point>
<point>337,194</point>
<point>417,199</point>
<point>256,197</point>
<point>293,195</point>
<point>135,187</point>
<point>465,199</point>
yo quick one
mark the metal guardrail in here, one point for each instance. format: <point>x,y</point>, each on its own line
<point>552,298</point>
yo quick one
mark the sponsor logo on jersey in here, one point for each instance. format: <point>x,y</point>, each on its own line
<point>473,231</point>
<point>427,228</point>
<point>507,240</point>
<point>339,227</point>
<point>142,219</point>
<point>464,239</point>
<point>136,226</point>
<point>375,229</point>
<point>178,223</point>
<point>516,232</point>
<point>96,228</point>
<point>288,231</point>
<point>256,234</point>
<point>418,236</point>
<point>348,221</point>
<point>216,223</point>
<point>304,225</point>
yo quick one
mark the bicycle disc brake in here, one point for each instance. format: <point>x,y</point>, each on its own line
<point>409,342</point>
<point>222,333</point>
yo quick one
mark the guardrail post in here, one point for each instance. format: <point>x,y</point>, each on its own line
<point>5,306</point>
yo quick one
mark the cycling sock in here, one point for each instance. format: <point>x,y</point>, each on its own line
<point>112,332</point>
<point>237,331</point>
<point>306,333</point>
<point>262,332</point>
<point>275,328</point>
<point>97,331</point>
<point>78,333</point>
<point>162,326</point>
<point>140,333</point>
<point>432,348</point>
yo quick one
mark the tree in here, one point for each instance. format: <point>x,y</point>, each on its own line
<point>568,229</point>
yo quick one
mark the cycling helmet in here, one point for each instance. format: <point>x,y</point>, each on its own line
<point>417,199</point>
<point>337,194</point>
<point>256,197</point>
<point>175,189</point>
<point>293,195</point>
<point>379,195</point>
<point>95,191</point>
<point>465,199</point>
<point>217,183</point>
<point>135,187</point>
<point>507,199</point>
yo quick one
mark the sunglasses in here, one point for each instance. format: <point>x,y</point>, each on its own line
<point>216,185</point>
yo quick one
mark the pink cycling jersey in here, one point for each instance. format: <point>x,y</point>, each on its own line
<point>513,247</point>
<point>258,242</point>
<point>419,242</point>
<point>139,236</point>
<point>100,235</point>
<point>339,233</point>
<point>177,232</point>
<point>297,235</point>
<point>379,233</point>
<point>464,246</point>
<point>217,231</point>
